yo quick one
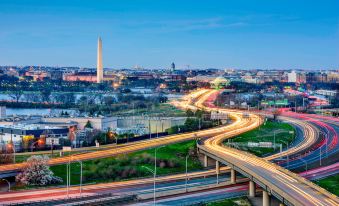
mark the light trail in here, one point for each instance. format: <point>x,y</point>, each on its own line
<point>293,188</point>
<point>238,126</point>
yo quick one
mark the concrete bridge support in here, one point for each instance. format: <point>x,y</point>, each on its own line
<point>217,167</point>
<point>265,198</point>
<point>233,176</point>
<point>205,161</point>
<point>251,189</point>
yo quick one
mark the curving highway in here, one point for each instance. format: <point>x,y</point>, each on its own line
<point>278,181</point>
<point>135,146</point>
<point>289,187</point>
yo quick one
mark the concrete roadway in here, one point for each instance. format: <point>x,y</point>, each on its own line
<point>277,180</point>
<point>326,151</point>
<point>131,147</point>
<point>61,192</point>
<point>237,190</point>
<point>240,123</point>
<point>214,193</point>
<point>203,173</point>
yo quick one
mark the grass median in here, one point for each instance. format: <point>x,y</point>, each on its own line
<point>270,130</point>
<point>241,201</point>
<point>171,159</point>
<point>330,184</point>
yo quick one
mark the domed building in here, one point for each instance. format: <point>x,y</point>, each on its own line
<point>219,82</point>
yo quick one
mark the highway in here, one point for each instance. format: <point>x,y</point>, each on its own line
<point>221,133</point>
<point>237,190</point>
<point>324,152</point>
<point>283,184</point>
<point>132,147</point>
<point>110,150</point>
<point>168,183</point>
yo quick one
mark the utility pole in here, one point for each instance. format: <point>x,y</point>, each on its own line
<point>149,127</point>
<point>288,160</point>
<point>52,143</point>
<point>274,140</point>
<point>186,174</point>
<point>320,157</point>
<point>154,176</point>
<point>295,105</point>
<point>305,164</point>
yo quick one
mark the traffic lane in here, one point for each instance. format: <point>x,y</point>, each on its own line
<point>140,187</point>
<point>327,150</point>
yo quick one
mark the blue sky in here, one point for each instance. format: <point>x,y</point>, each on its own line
<point>257,34</point>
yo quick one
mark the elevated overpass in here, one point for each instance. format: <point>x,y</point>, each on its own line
<point>288,187</point>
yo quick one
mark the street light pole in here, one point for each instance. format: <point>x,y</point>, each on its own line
<point>149,127</point>
<point>80,162</point>
<point>67,165</point>
<point>9,184</point>
<point>69,173</point>
<point>305,164</point>
<point>155,158</point>
<point>155,167</point>
<point>186,174</point>
<point>154,175</point>
<point>288,160</point>
<point>274,139</point>
<point>295,104</point>
<point>326,141</point>
<point>320,157</point>
<point>14,151</point>
<point>52,144</point>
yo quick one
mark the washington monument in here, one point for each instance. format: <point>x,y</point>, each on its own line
<point>100,72</point>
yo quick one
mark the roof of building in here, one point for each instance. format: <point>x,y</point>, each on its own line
<point>30,126</point>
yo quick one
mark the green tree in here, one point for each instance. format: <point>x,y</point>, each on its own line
<point>16,95</point>
<point>189,113</point>
<point>45,95</point>
<point>191,124</point>
<point>88,124</point>
<point>172,130</point>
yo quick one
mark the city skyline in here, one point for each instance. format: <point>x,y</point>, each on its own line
<point>169,102</point>
<point>235,35</point>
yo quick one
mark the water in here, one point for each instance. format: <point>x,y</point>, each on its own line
<point>7,97</point>
<point>38,111</point>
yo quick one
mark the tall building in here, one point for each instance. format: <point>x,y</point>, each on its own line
<point>100,71</point>
<point>2,111</point>
<point>292,76</point>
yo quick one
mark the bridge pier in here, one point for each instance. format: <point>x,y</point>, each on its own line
<point>205,161</point>
<point>265,198</point>
<point>251,189</point>
<point>233,176</point>
<point>217,167</point>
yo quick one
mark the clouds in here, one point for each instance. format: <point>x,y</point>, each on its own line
<point>182,25</point>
